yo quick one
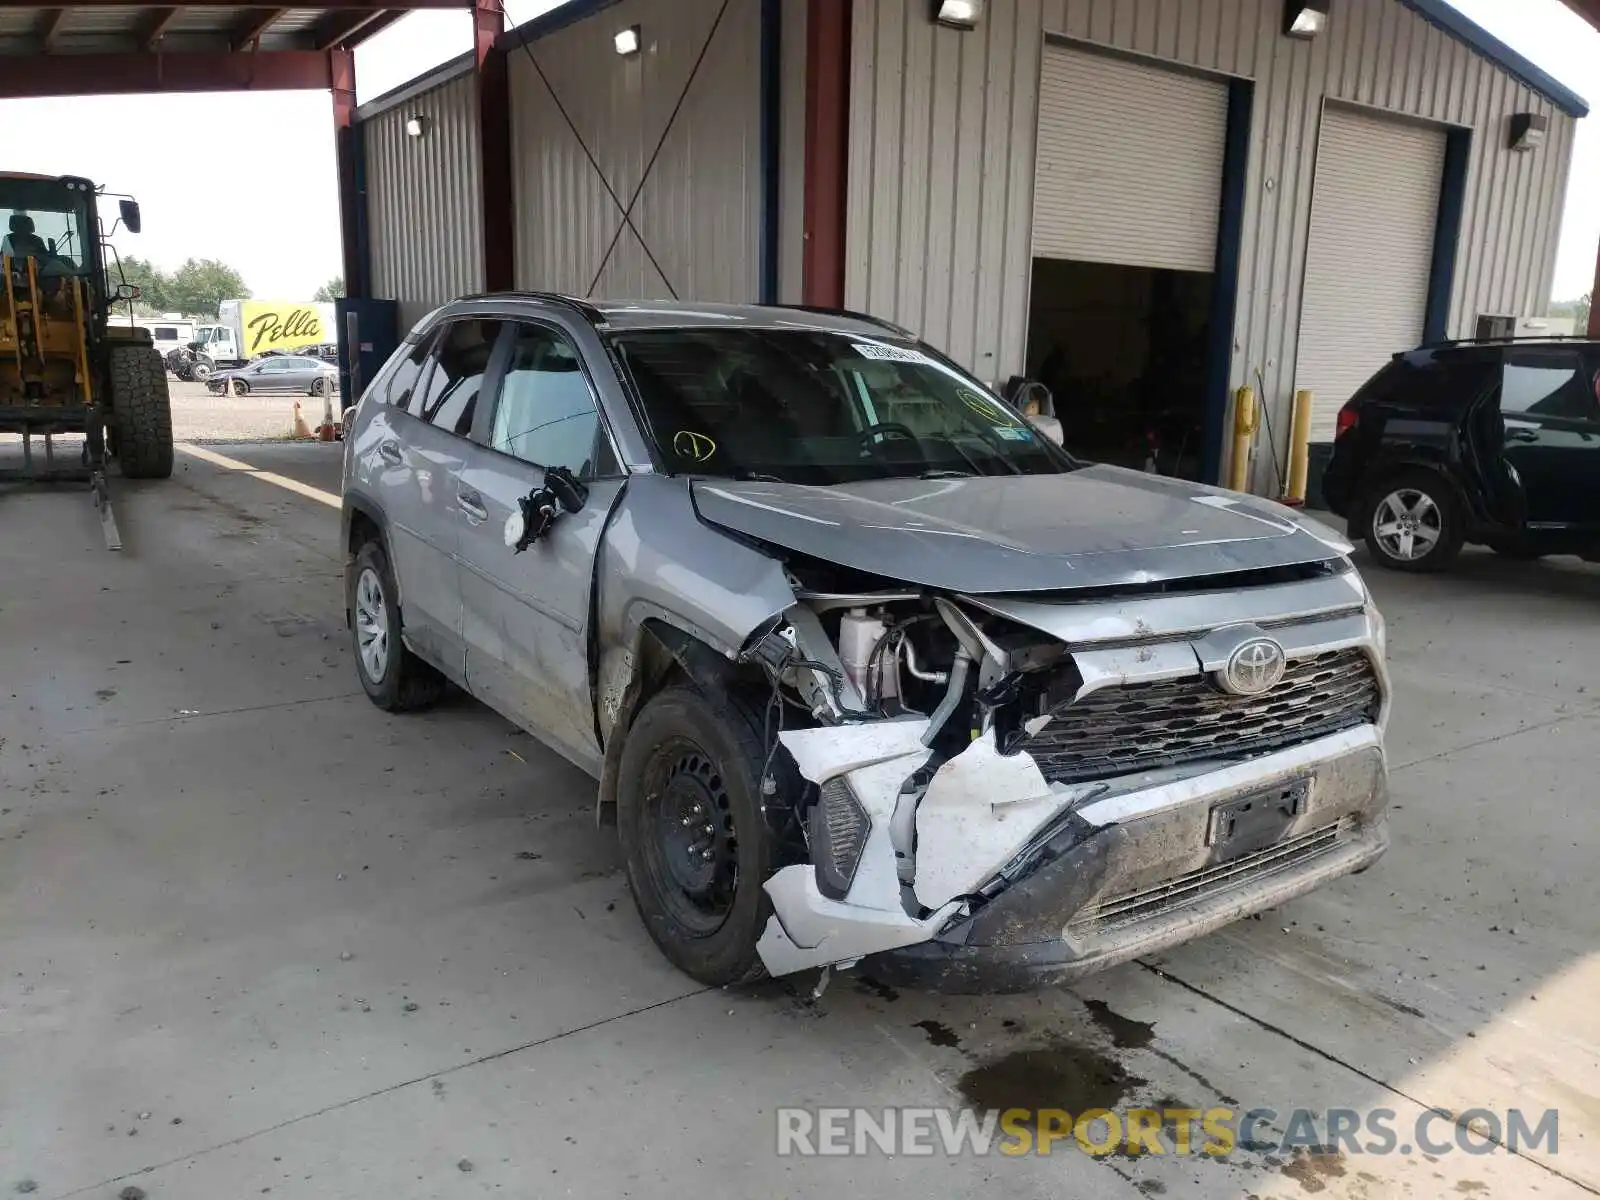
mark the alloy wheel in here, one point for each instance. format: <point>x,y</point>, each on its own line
<point>372,625</point>
<point>1407,524</point>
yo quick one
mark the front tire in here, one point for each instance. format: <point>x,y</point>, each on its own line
<point>1413,521</point>
<point>394,679</point>
<point>141,412</point>
<point>240,387</point>
<point>694,839</point>
<point>317,386</point>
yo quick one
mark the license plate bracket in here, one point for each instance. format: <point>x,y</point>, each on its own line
<point>1256,819</point>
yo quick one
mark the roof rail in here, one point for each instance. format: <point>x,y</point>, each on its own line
<point>1495,341</point>
<point>823,310</point>
<point>583,308</point>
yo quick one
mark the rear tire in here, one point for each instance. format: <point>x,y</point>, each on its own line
<point>141,412</point>
<point>394,679</point>
<point>692,763</point>
<point>1412,520</point>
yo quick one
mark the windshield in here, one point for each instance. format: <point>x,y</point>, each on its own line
<point>805,406</point>
<point>44,221</point>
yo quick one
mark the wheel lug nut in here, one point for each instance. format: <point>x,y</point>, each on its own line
<point>706,854</point>
<point>710,829</point>
<point>688,821</point>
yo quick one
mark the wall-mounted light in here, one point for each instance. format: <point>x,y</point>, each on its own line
<point>958,14</point>
<point>627,40</point>
<point>416,126</point>
<point>1304,18</point>
<point>1527,131</point>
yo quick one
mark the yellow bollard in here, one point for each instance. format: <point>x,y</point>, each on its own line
<point>1244,429</point>
<point>1299,449</point>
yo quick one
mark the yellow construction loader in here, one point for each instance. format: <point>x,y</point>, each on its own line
<point>65,366</point>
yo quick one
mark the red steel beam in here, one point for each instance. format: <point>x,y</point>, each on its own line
<point>494,147</point>
<point>253,26</point>
<point>336,29</point>
<point>119,74</point>
<point>49,25</point>
<point>827,154</point>
<point>342,83</point>
<point>321,5</point>
<point>155,24</point>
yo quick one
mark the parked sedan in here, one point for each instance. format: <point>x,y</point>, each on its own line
<point>866,666</point>
<point>277,373</point>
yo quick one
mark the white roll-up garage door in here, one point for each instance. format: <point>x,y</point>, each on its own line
<point>1130,163</point>
<point>1370,253</point>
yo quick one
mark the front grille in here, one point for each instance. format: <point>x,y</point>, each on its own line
<point>1140,726</point>
<point>1183,891</point>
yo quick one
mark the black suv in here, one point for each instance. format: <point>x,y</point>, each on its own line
<point>1492,442</point>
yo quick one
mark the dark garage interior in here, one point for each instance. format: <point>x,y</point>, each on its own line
<point>1123,351</point>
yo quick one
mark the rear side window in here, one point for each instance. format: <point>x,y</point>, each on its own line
<point>1547,385</point>
<point>166,333</point>
<point>546,415</point>
<point>449,397</point>
<point>402,380</point>
<point>1425,381</point>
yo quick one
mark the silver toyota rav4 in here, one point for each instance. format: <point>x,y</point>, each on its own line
<point>865,665</point>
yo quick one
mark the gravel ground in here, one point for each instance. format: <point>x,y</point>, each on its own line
<point>199,416</point>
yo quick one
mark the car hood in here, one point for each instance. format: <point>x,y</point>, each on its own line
<point>1094,527</point>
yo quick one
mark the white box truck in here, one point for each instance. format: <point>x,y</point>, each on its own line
<point>247,329</point>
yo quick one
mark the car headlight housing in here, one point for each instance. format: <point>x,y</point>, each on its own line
<point>838,833</point>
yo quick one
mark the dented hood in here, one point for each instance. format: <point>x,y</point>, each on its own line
<point>1095,527</point>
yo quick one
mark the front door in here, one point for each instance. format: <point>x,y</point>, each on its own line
<point>525,616</point>
<point>1550,418</point>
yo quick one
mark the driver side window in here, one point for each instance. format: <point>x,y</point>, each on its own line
<point>546,415</point>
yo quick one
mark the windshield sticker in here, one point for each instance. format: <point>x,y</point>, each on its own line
<point>1013,433</point>
<point>881,353</point>
<point>692,447</point>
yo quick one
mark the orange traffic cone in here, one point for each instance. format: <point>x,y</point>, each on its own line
<point>301,430</point>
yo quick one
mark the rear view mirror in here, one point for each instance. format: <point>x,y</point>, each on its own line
<point>128,291</point>
<point>130,214</point>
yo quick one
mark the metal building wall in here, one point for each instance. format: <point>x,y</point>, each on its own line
<point>424,210</point>
<point>942,161</point>
<point>700,210</point>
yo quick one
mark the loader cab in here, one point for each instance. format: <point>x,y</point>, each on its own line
<point>54,221</point>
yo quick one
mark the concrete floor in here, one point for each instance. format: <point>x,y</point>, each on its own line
<point>258,937</point>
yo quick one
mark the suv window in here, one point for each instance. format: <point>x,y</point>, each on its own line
<point>546,415</point>
<point>1552,384</point>
<point>450,397</point>
<point>165,333</point>
<point>403,379</point>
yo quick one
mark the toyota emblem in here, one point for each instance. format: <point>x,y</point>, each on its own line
<point>1253,668</point>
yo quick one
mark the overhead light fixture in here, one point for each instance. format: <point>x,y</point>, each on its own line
<point>416,126</point>
<point>1528,131</point>
<point>627,40</point>
<point>958,14</point>
<point>1304,19</point>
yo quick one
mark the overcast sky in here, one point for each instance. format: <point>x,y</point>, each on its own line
<point>249,177</point>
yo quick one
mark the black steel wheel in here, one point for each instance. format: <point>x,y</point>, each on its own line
<point>694,838</point>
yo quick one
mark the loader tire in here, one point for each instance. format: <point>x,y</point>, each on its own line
<point>141,412</point>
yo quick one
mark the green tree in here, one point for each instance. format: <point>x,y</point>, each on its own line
<point>1577,309</point>
<point>154,285</point>
<point>201,285</point>
<point>330,291</point>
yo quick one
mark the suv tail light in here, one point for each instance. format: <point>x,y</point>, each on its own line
<point>1349,417</point>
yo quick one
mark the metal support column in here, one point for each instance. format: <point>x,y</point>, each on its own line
<point>827,150</point>
<point>347,154</point>
<point>494,148</point>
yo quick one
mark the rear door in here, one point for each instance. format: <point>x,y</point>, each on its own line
<point>1550,418</point>
<point>433,398</point>
<point>526,616</point>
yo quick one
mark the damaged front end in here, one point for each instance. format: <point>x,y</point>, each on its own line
<point>1010,791</point>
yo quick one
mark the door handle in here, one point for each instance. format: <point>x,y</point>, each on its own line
<point>390,452</point>
<point>472,504</point>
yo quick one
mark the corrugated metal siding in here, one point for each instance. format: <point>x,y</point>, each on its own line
<point>1371,249</point>
<point>943,146</point>
<point>700,209</point>
<point>424,207</point>
<point>1138,192</point>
